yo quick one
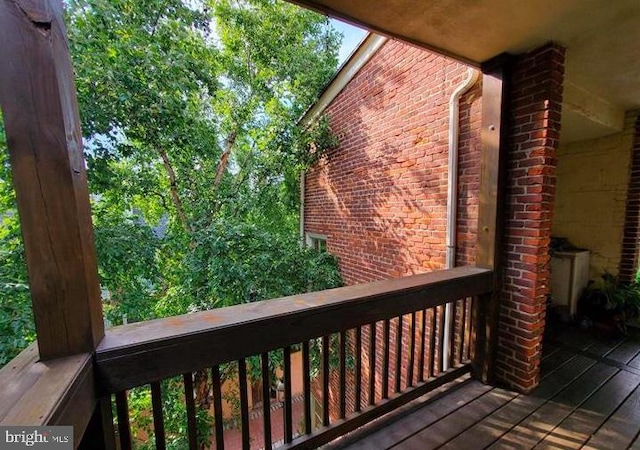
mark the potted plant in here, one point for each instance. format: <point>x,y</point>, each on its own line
<point>609,305</point>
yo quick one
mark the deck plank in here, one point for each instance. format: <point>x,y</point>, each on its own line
<point>621,428</point>
<point>452,425</point>
<point>535,427</point>
<point>604,347</point>
<point>388,436</point>
<point>576,338</point>
<point>551,362</point>
<point>491,428</point>
<point>589,395</point>
<point>635,362</point>
<point>625,352</point>
<point>576,429</point>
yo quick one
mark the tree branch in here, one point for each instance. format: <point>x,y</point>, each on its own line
<point>224,158</point>
<point>175,196</point>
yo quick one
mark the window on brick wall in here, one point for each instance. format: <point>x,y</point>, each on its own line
<point>317,241</point>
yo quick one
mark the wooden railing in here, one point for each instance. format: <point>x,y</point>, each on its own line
<point>365,350</point>
<point>393,331</point>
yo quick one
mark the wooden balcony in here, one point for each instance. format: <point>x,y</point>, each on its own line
<point>393,330</point>
<point>588,397</point>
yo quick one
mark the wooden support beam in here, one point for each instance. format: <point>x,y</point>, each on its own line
<point>38,101</point>
<point>490,211</point>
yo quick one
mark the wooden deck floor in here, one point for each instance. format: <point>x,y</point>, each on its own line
<point>589,397</point>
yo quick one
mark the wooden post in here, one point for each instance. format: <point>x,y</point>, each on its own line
<point>490,211</point>
<point>38,101</point>
<point>100,433</point>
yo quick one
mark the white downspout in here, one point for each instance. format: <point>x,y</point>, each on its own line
<point>452,195</point>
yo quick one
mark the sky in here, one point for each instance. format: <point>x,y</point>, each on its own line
<point>352,37</point>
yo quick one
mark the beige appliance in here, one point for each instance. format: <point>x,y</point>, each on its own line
<point>569,277</point>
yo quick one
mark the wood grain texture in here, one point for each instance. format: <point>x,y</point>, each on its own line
<point>216,387</point>
<point>492,427</point>
<point>386,328</point>
<point>158,416</point>
<point>407,425</point>
<point>192,427</point>
<point>38,101</point>
<point>325,380</point>
<point>288,409</point>
<point>343,374</point>
<point>134,354</point>
<point>530,431</point>
<point>306,385</point>
<point>100,432</point>
<point>458,421</point>
<point>621,428</point>
<point>124,426</point>
<point>582,401</point>
<point>372,362</point>
<point>266,400</point>
<point>490,208</point>
<point>370,413</point>
<point>580,425</point>
<point>492,160</point>
<point>55,392</point>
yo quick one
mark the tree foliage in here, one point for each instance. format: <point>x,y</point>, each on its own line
<point>16,317</point>
<point>189,110</point>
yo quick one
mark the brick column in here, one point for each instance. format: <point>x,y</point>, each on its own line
<point>535,112</point>
<point>631,234</point>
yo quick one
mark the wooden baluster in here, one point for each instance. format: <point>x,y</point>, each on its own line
<point>99,433</point>
<point>385,361</point>
<point>288,401</point>
<point>192,426</point>
<point>399,355</point>
<point>432,343</point>
<point>325,381</point>
<point>372,363</point>
<point>124,428</point>
<point>343,374</point>
<point>217,406</point>
<point>306,380</point>
<point>452,334</point>
<point>244,403</point>
<point>412,350</point>
<point>423,338</point>
<point>462,333</point>
<point>158,417</point>
<point>266,400</point>
<point>441,330</point>
<point>468,305</point>
<point>358,406</point>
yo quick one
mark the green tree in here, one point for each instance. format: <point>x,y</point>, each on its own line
<point>189,109</point>
<point>16,318</point>
<point>189,112</point>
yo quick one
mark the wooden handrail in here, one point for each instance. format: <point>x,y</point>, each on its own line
<point>135,354</point>
<point>56,392</point>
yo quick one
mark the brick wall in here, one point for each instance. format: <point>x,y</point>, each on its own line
<point>381,196</point>
<point>535,109</point>
<point>631,234</point>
